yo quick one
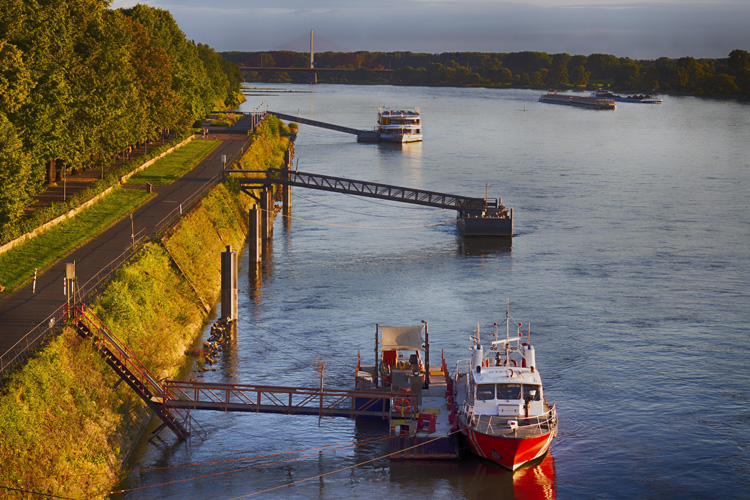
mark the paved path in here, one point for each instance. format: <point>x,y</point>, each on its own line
<point>22,311</point>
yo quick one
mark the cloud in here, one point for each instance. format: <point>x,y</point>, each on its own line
<point>639,29</point>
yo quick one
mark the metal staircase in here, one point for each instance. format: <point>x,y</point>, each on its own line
<point>134,373</point>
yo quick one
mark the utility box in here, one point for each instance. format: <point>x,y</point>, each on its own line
<point>70,270</point>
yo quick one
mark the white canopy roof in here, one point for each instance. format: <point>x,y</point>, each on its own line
<point>394,338</point>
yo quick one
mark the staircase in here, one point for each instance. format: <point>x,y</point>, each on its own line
<point>133,372</point>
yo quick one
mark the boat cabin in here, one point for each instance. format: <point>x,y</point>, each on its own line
<point>402,359</point>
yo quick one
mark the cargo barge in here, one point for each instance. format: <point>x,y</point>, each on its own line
<point>591,102</point>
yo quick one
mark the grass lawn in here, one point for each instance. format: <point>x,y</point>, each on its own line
<point>17,265</point>
<point>176,164</point>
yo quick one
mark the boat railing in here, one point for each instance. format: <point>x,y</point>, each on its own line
<point>525,426</point>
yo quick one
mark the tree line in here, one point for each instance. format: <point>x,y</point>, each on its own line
<point>724,76</point>
<point>80,82</point>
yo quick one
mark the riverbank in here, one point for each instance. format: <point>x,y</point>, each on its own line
<point>66,425</point>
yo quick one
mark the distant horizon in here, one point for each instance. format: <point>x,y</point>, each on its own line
<point>643,30</point>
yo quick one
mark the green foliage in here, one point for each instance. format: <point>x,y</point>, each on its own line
<point>730,76</point>
<point>80,82</point>
<point>17,264</point>
<point>13,228</point>
<point>65,426</point>
<point>267,149</point>
<point>173,166</point>
<point>48,447</point>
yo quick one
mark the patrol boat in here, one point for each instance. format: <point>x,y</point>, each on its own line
<point>500,403</point>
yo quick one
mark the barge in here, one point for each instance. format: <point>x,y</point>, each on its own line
<point>591,102</point>
<point>491,221</point>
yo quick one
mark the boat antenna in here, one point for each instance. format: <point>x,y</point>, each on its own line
<point>528,335</point>
<point>507,320</point>
<point>478,339</point>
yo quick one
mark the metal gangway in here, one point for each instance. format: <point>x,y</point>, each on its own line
<point>250,398</point>
<point>315,123</point>
<point>462,204</point>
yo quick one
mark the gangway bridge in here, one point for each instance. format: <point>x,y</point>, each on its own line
<point>362,135</point>
<point>462,204</point>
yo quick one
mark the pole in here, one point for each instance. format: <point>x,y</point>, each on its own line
<point>426,355</point>
<point>376,356</point>
<point>33,287</point>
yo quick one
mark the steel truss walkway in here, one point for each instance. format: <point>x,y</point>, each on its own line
<point>462,204</point>
<point>284,400</point>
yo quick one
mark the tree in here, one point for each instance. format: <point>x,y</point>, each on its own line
<point>580,76</point>
<point>15,174</point>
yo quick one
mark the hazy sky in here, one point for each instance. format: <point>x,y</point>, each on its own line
<point>641,29</point>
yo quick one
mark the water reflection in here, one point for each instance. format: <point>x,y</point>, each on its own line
<point>472,477</point>
<point>482,247</point>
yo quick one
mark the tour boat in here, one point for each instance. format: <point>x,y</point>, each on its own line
<point>500,403</point>
<point>644,99</point>
<point>399,125</point>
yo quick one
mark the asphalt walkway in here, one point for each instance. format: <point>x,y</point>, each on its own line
<point>23,311</point>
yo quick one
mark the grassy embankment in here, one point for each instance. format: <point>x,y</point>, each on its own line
<point>64,430</point>
<point>176,164</point>
<point>17,265</point>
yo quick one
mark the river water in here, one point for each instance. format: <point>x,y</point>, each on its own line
<point>631,259</point>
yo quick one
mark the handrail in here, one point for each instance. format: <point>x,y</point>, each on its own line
<point>126,357</point>
<point>275,399</point>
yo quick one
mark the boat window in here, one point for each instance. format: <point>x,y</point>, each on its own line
<point>527,392</point>
<point>508,391</point>
<point>485,392</point>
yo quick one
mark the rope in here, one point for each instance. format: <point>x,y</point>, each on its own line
<point>344,468</point>
<point>360,198</point>
<point>252,466</point>
<point>372,227</point>
<point>39,493</point>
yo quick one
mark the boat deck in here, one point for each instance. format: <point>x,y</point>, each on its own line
<point>427,443</point>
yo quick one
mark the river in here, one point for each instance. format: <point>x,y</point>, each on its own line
<point>631,260</point>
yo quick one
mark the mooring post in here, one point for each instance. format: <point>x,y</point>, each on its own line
<point>287,195</point>
<point>266,202</point>
<point>229,284</point>
<point>256,244</point>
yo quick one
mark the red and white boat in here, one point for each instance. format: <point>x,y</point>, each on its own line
<point>500,403</point>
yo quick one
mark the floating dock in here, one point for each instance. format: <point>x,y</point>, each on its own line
<point>430,433</point>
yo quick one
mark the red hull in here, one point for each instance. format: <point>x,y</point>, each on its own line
<point>511,453</point>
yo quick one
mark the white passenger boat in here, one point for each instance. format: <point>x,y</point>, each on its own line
<point>501,408</point>
<point>399,125</point>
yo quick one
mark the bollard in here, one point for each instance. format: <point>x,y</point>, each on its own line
<point>33,287</point>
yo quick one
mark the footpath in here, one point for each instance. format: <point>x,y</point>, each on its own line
<point>24,311</point>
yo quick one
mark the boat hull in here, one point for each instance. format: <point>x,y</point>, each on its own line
<point>400,138</point>
<point>508,452</point>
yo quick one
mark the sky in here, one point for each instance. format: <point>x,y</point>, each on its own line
<point>639,29</point>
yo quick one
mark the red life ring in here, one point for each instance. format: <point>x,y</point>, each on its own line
<point>514,362</point>
<point>402,405</point>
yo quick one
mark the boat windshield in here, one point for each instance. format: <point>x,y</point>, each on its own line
<point>488,392</point>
